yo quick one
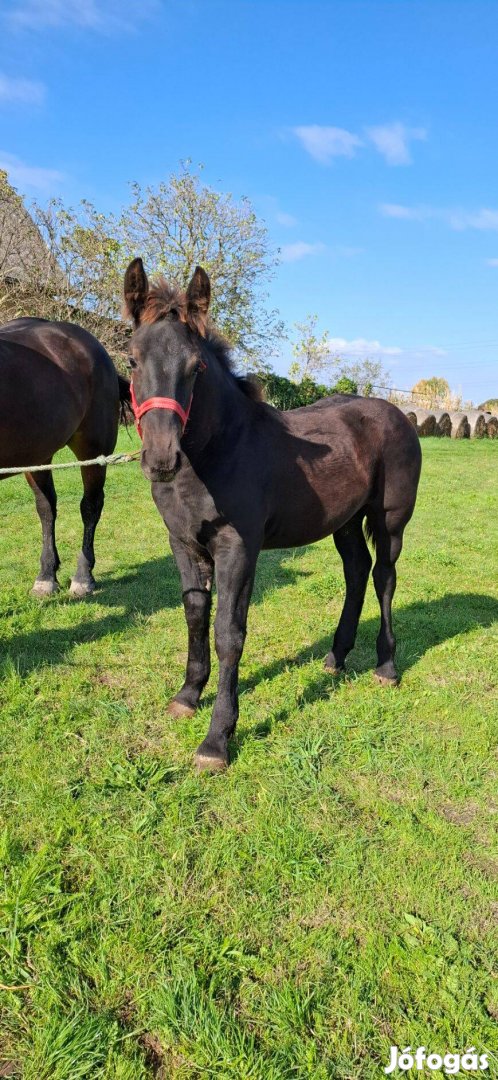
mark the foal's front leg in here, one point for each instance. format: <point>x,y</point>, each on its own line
<point>197,578</point>
<point>235,569</point>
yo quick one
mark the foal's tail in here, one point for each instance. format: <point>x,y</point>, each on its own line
<point>125,409</point>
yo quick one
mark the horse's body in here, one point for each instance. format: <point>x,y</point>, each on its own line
<point>246,476</point>
<point>58,387</point>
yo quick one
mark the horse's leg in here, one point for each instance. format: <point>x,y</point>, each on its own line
<point>93,476</point>
<point>387,527</point>
<point>197,579</point>
<point>356,560</point>
<point>42,485</point>
<point>234,580</point>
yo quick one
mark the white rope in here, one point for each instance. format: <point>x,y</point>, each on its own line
<point>111,459</point>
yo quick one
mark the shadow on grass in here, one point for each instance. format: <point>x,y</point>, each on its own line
<point>146,588</point>
<point>419,627</point>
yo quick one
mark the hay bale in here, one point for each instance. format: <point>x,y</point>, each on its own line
<point>426,422</point>
<point>477,421</point>
<point>460,427</point>
<point>492,427</point>
<point>443,423</point>
<point>409,413</point>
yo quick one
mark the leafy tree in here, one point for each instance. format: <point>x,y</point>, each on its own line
<point>431,392</point>
<point>491,405</point>
<point>81,255</point>
<point>310,350</point>
<point>183,222</point>
<point>313,356</point>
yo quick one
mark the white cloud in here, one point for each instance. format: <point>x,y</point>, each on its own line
<point>407,213</point>
<point>325,143</point>
<point>361,347</point>
<point>477,219</point>
<point>459,220</point>
<point>22,91</point>
<point>492,262</point>
<point>29,176</point>
<point>393,141</point>
<point>99,15</point>
<point>299,250</point>
<point>285,219</point>
<point>368,348</point>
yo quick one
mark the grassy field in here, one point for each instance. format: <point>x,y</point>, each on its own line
<point>335,892</point>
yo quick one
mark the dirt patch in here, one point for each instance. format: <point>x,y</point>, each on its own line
<point>486,864</point>
<point>460,813</point>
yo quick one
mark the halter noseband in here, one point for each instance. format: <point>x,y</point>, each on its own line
<point>160,403</point>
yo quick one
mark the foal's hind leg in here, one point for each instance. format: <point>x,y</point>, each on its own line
<point>387,527</point>
<point>197,579</point>
<point>93,476</point>
<point>352,547</point>
<point>42,485</point>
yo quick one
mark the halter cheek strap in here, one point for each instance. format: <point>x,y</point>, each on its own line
<point>159,403</point>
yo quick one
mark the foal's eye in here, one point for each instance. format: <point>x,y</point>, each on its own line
<point>131,363</point>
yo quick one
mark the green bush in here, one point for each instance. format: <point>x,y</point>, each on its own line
<point>491,405</point>
<point>284,394</point>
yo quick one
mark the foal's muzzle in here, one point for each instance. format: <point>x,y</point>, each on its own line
<point>160,469</point>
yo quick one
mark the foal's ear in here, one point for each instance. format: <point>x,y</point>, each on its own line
<point>198,297</point>
<point>136,289</point>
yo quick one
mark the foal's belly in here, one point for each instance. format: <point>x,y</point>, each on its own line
<point>307,524</point>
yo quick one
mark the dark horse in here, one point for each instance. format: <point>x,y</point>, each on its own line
<point>243,476</point>
<point>58,387</point>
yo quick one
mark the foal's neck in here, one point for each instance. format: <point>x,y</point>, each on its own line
<point>218,407</point>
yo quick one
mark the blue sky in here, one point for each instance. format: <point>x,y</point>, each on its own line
<point>366,135</point>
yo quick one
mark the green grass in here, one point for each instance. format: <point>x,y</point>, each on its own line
<point>332,894</point>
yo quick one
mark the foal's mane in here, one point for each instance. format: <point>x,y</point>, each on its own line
<point>165,300</point>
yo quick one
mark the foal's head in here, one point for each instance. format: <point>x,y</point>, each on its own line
<point>165,356</point>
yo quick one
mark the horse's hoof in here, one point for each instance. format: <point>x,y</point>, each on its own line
<point>206,763</point>
<point>176,709</point>
<point>44,587</point>
<point>79,589</point>
<point>384,680</point>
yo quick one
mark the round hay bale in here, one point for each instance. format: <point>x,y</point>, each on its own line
<point>492,427</point>
<point>477,421</point>
<point>460,427</point>
<point>409,413</point>
<point>443,423</point>
<point>426,422</point>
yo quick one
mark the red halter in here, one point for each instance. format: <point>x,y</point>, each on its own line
<point>157,403</point>
<point>160,403</point>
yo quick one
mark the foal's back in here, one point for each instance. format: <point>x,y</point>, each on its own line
<point>329,460</point>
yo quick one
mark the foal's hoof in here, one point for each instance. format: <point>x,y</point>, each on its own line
<point>79,589</point>
<point>176,709</point>
<point>206,763</point>
<point>386,680</point>
<point>333,670</point>
<point>332,667</point>
<point>44,587</point>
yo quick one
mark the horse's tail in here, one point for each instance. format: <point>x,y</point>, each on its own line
<point>126,411</point>
<point>368,530</point>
